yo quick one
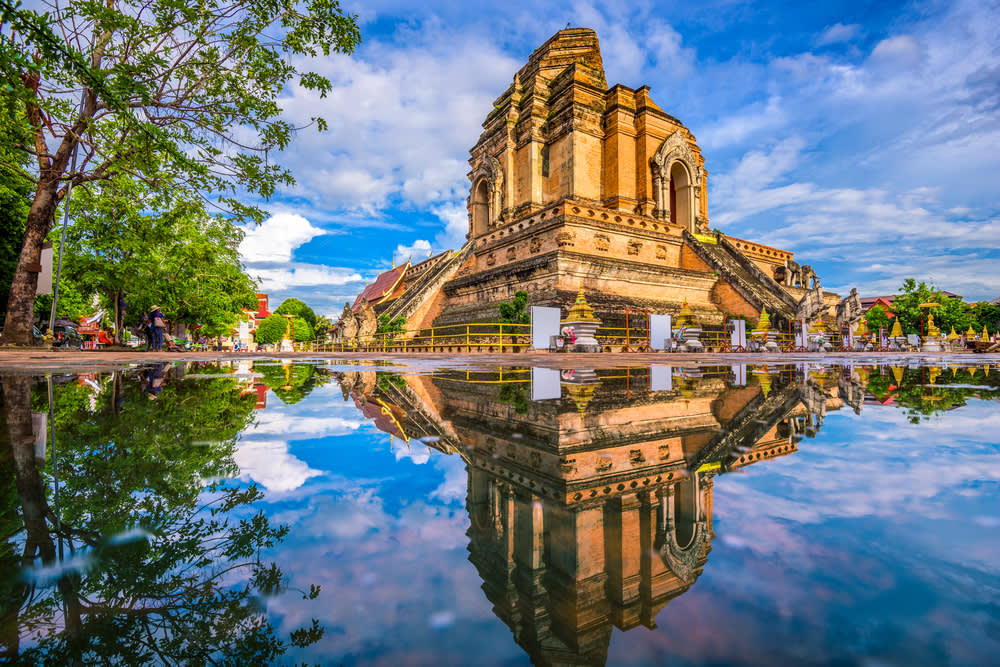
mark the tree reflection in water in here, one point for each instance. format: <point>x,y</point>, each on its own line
<point>135,555</point>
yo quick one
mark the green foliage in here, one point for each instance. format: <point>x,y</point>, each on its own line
<point>927,391</point>
<point>876,318</point>
<point>15,191</point>
<point>291,382</point>
<point>322,326</point>
<point>514,310</point>
<point>182,96</point>
<point>126,239</point>
<point>514,394</point>
<point>299,309</point>
<point>274,326</point>
<point>396,325</point>
<point>988,315</point>
<point>950,313</point>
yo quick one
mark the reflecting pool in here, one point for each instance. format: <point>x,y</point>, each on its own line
<point>253,513</point>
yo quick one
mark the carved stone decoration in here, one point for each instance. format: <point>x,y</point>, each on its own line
<point>367,321</point>
<point>566,239</point>
<point>535,245</point>
<point>811,305</point>
<point>349,324</point>
<point>674,148</point>
<point>602,242</point>
<point>491,259</point>
<point>661,252</point>
<point>511,254</point>
<point>681,560</point>
<point>850,310</point>
<point>634,247</point>
<point>808,277</point>
<point>490,170</point>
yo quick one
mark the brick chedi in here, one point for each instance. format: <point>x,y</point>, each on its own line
<point>577,185</point>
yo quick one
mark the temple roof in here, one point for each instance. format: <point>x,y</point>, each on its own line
<point>382,287</point>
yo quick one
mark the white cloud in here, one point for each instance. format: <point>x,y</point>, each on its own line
<point>304,275</point>
<point>837,33</point>
<point>456,225</point>
<point>275,238</point>
<point>418,251</point>
<point>270,464</point>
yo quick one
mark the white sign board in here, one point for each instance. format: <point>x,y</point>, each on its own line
<point>545,383</point>
<point>739,335</point>
<point>659,332</point>
<point>800,335</point>
<point>45,277</point>
<point>244,333</point>
<point>544,325</point>
<point>739,374</point>
<point>660,378</point>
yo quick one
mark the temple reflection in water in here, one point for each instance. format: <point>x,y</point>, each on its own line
<point>590,492</point>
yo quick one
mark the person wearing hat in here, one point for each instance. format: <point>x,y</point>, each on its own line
<point>156,327</point>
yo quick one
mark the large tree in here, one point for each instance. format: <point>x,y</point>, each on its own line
<point>110,88</point>
<point>127,242</point>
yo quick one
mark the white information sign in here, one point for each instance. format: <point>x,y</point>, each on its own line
<point>740,374</point>
<point>661,378</point>
<point>545,383</point>
<point>544,325</point>
<point>739,335</point>
<point>659,332</point>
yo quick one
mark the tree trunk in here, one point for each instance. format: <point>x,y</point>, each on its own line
<point>21,304</point>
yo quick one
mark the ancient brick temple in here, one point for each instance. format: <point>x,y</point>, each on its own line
<point>592,509</point>
<point>572,184</point>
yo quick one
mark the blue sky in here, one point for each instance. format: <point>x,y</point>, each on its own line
<point>864,137</point>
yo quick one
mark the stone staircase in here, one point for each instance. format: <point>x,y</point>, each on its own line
<point>427,285</point>
<point>758,288</point>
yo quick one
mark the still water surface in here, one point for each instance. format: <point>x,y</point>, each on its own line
<point>261,513</point>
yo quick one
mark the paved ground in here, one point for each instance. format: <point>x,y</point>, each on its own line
<point>35,360</point>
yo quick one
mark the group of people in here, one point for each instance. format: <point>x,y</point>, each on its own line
<point>152,327</point>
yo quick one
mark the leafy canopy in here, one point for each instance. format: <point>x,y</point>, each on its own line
<point>514,310</point>
<point>274,326</point>
<point>156,249</point>
<point>297,307</point>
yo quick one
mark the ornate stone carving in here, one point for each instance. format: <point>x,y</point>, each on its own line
<point>661,252</point>
<point>367,321</point>
<point>491,259</point>
<point>349,324</point>
<point>511,253</point>
<point>490,170</point>
<point>674,148</point>
<point>634,246</point>
<point>602,242</point>
<point>535,245</point>
<point>566,239</point>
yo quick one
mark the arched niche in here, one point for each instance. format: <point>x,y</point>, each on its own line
<point>486,198</point>
<point>480,208</point>
<point>676,182</point>
<point>682,527</point>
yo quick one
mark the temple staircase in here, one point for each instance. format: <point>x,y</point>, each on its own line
<point>427,285</point>
<point>750,425</point>
<point>759,289</point>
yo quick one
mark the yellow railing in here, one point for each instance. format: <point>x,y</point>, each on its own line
<point>502,337</point>
<point>473,337</point>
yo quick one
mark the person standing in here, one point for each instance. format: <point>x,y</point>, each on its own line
<point>146,329</point>
<point>157,327</point>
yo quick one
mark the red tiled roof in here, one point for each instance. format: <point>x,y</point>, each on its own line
<point>381,287</point>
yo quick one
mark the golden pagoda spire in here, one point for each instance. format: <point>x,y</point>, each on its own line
<point>686,318</point>
<point>897,374</point>
<point>580,310</point>
<point>986,334</point>
<point>971,333</point>
<point>897,331</point>
<point>952,335</point>
<point>764,323</point>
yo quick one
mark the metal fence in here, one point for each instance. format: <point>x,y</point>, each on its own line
<point>503,337</point>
